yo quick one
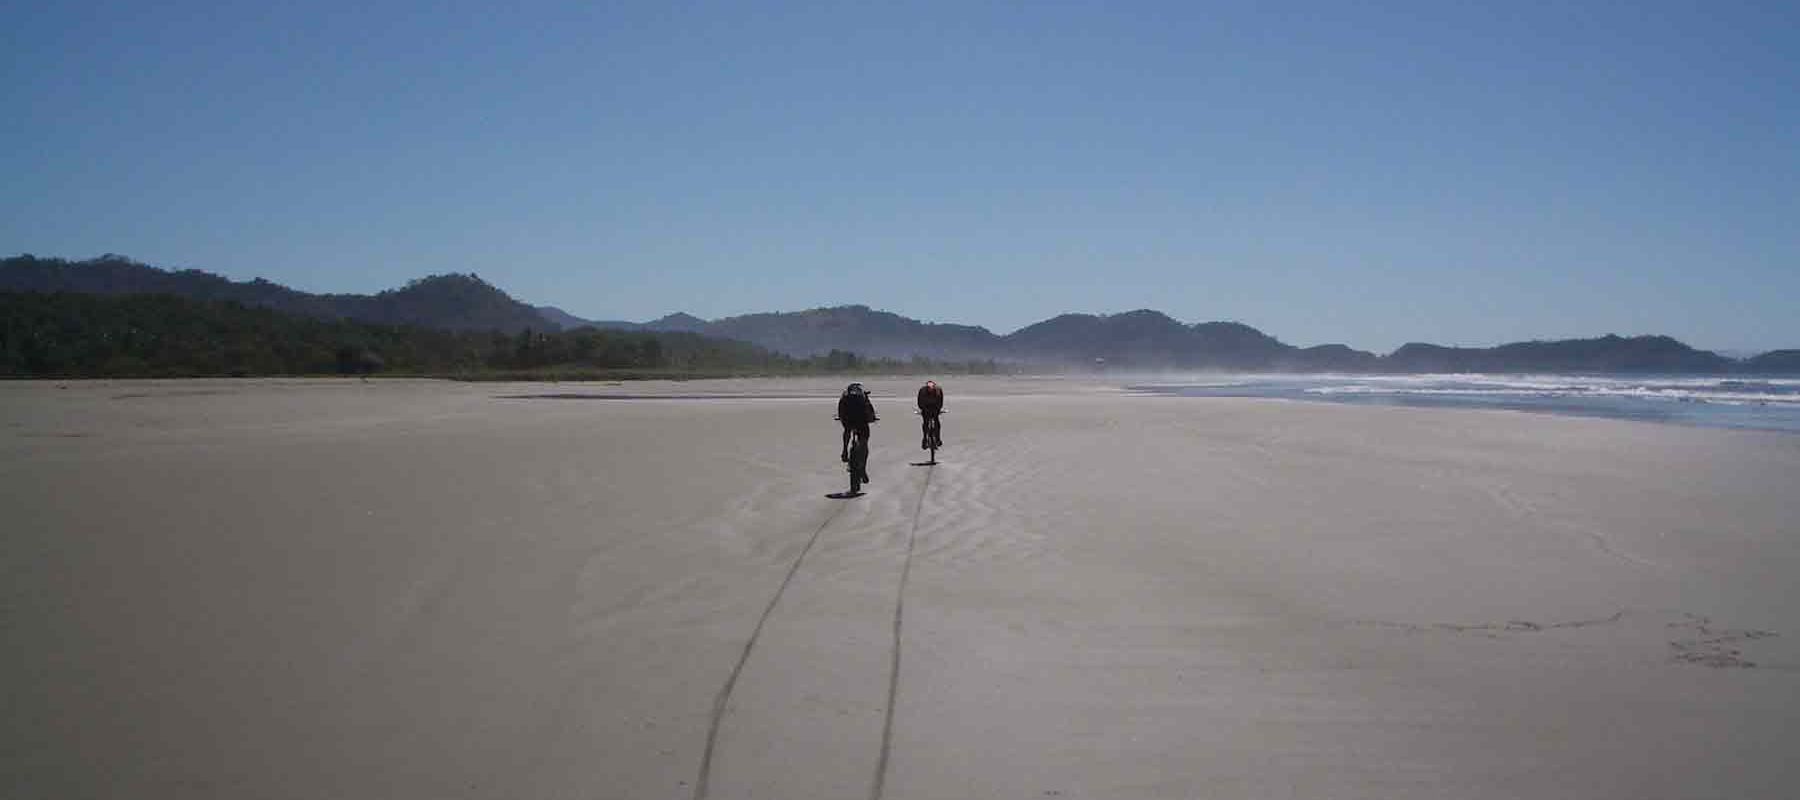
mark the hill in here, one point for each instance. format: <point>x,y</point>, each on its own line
<point>1138,339</point>
<point>1149,339</point>
<point>1144,339</point>
<point>679,321</point>
<point>67,334</point>
<point>449,302</point>
<point>563,320</point>
<point>1775,362</point>
<point>858,329</point>
<point>1640,354</point>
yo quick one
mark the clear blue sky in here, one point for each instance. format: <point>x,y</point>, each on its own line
<point>1438,172</point>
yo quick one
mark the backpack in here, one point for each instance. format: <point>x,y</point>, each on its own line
<point>854,407</point>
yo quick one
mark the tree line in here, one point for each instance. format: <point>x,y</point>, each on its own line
<point>143,336</point>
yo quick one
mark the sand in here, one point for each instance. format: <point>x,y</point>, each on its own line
<point>397,589</point>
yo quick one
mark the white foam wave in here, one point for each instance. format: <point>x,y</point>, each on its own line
<point>1779,392</point>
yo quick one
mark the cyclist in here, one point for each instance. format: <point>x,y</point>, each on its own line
<point>931,404</point>
<point>855,412</point>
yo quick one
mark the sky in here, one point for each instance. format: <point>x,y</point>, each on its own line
<point>1370,174</point>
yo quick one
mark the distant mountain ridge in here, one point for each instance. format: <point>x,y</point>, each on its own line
<point>1135,340</point>
<point>1146,338</point>
<point>449,302</point>
<point>677,322</point>
<point>1151,340</point>
<point>861,330</point>
<point>1606,354</point>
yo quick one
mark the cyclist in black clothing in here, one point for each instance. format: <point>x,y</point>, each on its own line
<point>855,412</point>
<point>931,404</point>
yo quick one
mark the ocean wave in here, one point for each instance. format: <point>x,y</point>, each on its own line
<point>1758,393</point>
<point>1759,403</point>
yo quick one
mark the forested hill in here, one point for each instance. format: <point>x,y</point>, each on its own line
<point>1151,340</point>
<point>1137,339</point>
<point>1605,354</point>
<point>1775,362</point>
<point>1131,341</point>
<point>450,302</point>
<point>855,328</point>
<point>65,334</point>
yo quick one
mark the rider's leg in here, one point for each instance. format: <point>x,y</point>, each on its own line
<point>860,456</point>
<point>844,451</point>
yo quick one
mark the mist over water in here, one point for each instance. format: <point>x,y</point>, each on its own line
<point>1713,401</point>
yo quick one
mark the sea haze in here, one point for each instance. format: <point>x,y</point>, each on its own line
<point>1758,404</point>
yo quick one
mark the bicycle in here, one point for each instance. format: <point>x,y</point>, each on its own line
<point>857,461</point>
<point>933,431</point>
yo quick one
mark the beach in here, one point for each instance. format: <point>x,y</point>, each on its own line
<point>423,589</point>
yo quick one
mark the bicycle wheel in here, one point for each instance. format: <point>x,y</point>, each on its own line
<point>859,461</point>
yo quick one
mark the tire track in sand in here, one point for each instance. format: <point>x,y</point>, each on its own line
<point>893,692</point>
<point>703,782</point>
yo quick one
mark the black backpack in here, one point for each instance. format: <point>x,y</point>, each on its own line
<point>854,408</point>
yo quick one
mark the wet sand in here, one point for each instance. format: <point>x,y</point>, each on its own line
<point>405,589</point>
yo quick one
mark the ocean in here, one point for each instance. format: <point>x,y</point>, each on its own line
<point>1713,401</point>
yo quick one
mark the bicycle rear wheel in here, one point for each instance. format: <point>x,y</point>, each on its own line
<point>859,461</point>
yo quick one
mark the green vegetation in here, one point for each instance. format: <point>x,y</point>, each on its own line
<point>143,336</point>
<point>444,324</point>
<point>452,302</point>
